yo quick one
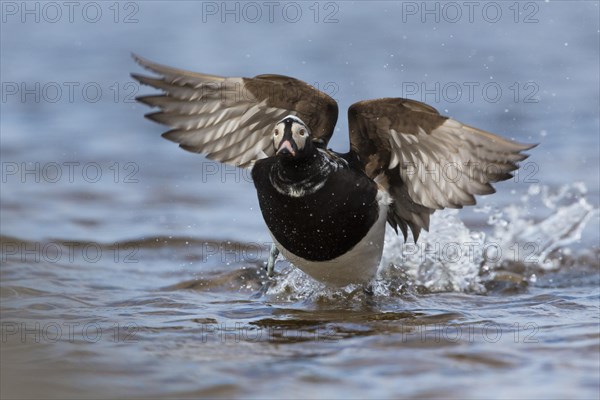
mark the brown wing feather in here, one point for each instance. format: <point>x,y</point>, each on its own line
<point>232,119</point>
<point>431,162</point>
<point>318,111</point>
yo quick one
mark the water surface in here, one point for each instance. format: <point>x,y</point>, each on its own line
<point>133,269</point>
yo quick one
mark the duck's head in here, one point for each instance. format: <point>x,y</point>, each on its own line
<point>292,138</point>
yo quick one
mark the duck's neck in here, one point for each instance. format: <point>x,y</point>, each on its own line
<point>302,176</point>
<point>294,169</point>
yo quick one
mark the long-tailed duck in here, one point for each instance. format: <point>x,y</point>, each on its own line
<point>327,211</point>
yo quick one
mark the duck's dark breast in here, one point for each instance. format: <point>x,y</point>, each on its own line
<point>323,225</point>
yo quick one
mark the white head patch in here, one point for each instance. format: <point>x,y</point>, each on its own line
<point>300,132</point>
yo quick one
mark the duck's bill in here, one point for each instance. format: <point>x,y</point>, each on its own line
<point>286,148</point>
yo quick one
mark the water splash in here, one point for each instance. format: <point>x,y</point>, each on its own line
<point>447,258</point>
<point>452,257</point>
<point>542,243</point>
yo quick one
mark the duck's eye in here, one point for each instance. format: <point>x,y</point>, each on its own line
<point>302,132</point>
<point>276,132</point>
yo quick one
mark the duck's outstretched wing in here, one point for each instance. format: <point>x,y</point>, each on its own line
<point>431,162</point>
<point>231,120</point>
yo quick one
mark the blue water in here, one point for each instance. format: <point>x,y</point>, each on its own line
<point>80,164</point>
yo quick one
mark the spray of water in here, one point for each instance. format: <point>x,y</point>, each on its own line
<point>535,234</point>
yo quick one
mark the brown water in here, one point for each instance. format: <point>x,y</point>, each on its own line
<point>130,268</point>
<point>173,317</point>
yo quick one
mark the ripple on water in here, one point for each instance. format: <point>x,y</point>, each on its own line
<point>186,323</point>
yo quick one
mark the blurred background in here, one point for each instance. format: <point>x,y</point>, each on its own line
<point>105,224</point>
